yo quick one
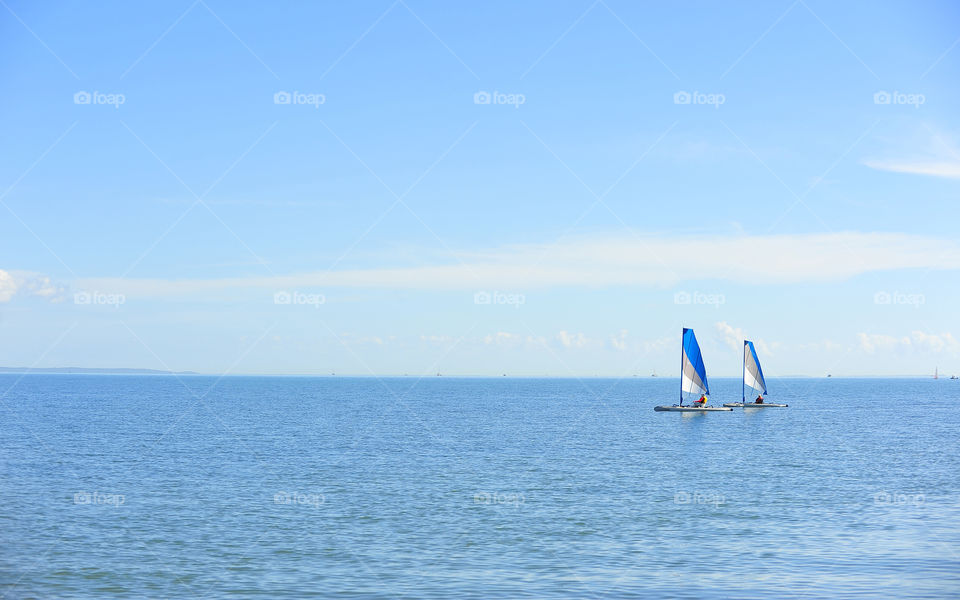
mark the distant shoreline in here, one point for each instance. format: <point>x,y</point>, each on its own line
<point>130,371</point>
<point>90,371</point>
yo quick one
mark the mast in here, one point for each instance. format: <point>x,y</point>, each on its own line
<point>681,365</point>
<point>743,374</point>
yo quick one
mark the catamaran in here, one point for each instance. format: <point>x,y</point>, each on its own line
<point>693,377</point>
<point>753,379</point>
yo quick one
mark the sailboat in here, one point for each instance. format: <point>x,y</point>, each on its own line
<point>753,379</point>
<point>693,377</point>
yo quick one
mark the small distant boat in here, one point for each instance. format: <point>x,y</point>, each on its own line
<point>935,376</point>
<point>753,379</point>
<point>953,377</point>
<point>693,377</point>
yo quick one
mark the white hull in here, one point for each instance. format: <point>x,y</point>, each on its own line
<point>691,409</point>
<point>755,405</point>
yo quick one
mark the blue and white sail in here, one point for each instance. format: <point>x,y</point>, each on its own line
<point>693,375</point>
<point>752,373</point>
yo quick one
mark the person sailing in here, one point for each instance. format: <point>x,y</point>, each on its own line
<point>702,401</point>
<point>759,399</point>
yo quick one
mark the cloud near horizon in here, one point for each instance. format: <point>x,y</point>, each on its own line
<point>608,261</point>
<point>14,283</point>
<point>916,341</point>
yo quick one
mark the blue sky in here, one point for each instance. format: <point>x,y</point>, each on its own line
<point>785,171</point>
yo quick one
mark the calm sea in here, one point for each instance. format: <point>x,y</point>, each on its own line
<point>158,486</point>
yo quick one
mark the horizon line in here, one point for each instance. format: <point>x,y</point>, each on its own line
<point>161,372</point>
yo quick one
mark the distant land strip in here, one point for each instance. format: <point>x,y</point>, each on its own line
<point>89,371</point>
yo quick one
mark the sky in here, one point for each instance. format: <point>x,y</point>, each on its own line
<point>541,188</point>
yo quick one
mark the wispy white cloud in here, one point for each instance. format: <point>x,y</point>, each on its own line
<point>934,168</point>
<point>504,338</point>
<point>603,262</point>
<point>25,283</point>
<point>936,155</point>
<point>917,341</point>
<point>8,286</point>
<point>573,340</point>
<point>734,337</point>
<point>44,287</point>
<point>659,346</point>
<point>619,341</point>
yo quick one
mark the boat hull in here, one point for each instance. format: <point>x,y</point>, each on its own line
<point>754,405</point>
<point>691,409</point>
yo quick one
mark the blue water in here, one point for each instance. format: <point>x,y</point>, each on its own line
<point>154,486</point>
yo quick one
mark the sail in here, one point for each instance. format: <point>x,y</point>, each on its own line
<point>752,373</point>
<point>693,377</point>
